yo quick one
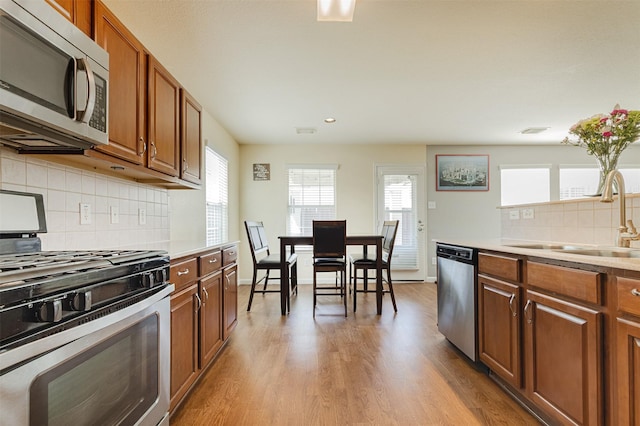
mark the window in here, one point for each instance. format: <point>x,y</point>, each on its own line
<point>577,182</point>
<point>217,185</point>
<point>312,196</point>
<point>523,185</point>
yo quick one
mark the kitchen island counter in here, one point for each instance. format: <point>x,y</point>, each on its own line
<point>518,247</point>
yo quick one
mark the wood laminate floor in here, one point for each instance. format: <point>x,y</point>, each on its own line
<point>393,369</point>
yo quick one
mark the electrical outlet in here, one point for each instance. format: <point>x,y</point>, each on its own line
<point>434,261</point>
<point>142,217</point>
<point>527,213</point>
<point>514,214</point>
<point>431,205</point>
<point>85,214</point>
<point>115,214</point>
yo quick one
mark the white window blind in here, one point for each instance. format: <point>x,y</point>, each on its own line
<point>217,187</point>
<point>312,196</point>
<point>400,203</point>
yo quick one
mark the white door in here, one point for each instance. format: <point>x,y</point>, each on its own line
<point>400,196</point>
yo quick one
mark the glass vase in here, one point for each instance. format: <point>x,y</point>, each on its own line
<point>606,165</point>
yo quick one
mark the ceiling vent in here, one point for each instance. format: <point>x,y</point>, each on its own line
<point>306,130</point>
<point>533,130</point>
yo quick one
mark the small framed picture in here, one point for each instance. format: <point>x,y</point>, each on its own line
<point>261,171</point>
<point>462,172</point>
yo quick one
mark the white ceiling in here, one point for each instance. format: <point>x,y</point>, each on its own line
<point>409,72</point>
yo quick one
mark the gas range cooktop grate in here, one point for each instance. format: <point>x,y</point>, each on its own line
<point>32,268</point>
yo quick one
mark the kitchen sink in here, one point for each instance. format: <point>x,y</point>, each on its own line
<point>603,252</point>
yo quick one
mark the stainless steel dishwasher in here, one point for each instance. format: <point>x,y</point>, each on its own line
<point>457,295</point>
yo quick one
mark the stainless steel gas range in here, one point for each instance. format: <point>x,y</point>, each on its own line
<point>84,335</point>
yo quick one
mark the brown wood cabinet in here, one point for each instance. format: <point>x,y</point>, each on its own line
<point>230,292</point>
<point>77,11</point>
<point>190,138</point>
<point>184,342</point>
<point>628,351</point>
<point>563,347</point>
<point>540,330</point>
<point>499,340</point>
<point>163,115</point>
<point>127,88</point>
<point>202,305</point>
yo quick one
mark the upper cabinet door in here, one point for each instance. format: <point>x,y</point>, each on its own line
<point>191,139</point>
<point>77,11</point>
<point>164,119</point>
<point>127,87</point>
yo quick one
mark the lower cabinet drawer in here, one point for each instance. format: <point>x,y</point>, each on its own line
<point>210,262</point>
<point>184,272</point>
<point>628,291</point>
<point>229,255</point>
<point>582,285</point>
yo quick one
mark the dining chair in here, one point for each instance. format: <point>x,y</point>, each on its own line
<point>264,260</point>
<point>367,262</point>
<point>329,255</point>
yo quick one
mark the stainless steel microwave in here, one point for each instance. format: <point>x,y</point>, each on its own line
<point>53,82</point>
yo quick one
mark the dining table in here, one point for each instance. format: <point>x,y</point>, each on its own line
<point>290,242</point>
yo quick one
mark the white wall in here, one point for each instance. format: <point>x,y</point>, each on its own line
<point>267,200</point>
<point>187,206</point>
<point>475,215</point>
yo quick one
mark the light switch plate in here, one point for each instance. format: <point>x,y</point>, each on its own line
<point>431,205</point>
<point>85,214</point>
<point>115,214</point>
<point>514,214</point>
<point>527,213</point>
<point>142,217</point>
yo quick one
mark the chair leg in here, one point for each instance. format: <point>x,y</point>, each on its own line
<point>343,284</point>
<point>294,278</point>
<point>393,296</point>
<point>314,293</point>
<point>266,280</point>
<point>355,287</point>
<point>253,288</point>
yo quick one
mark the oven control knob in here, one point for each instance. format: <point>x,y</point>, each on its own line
<point>148,280</point>
<point>49,311</point>
<point>80,301</point>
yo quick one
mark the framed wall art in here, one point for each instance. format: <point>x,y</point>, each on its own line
<point>261,171</point>
<point>462,172</point>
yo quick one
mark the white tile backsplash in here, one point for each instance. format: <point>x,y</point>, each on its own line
<point>571,221</point>
<point>65,187</point>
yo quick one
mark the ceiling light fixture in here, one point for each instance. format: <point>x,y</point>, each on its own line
<point>336,10</point>
<point>305,130</point>
<point>533,130</point>
<point>329,120</point>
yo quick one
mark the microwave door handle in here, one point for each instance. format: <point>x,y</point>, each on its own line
<point>85,115</point>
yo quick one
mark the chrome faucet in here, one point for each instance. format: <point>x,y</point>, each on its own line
<point>626,231</point>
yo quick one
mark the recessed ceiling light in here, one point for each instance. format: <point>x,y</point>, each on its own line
<point>329,120</point>
<point>305,130</point>
<point>533,130</point>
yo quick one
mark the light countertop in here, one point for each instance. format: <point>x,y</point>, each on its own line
<point>508,246</point>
